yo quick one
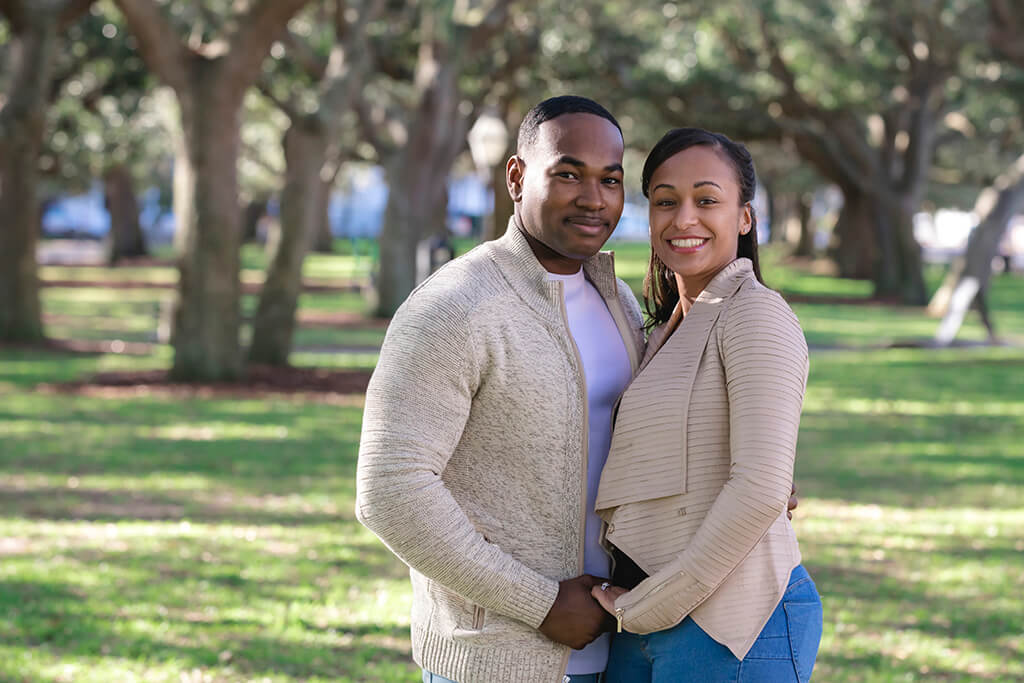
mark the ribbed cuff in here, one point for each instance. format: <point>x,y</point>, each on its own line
<point>533,598</point>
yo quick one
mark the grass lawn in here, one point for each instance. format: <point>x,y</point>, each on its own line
<point>153,538</point>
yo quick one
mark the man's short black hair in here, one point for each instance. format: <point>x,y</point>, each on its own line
<point>554,107</point>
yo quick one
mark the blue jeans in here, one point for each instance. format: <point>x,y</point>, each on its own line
<point>578,678</point>
<point>784,652</point>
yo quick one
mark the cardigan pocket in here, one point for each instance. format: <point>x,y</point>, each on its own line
<point>452,612</point>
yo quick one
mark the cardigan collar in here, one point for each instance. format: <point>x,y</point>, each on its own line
<point>519,265</point>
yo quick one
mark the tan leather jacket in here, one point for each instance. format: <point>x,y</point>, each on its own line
<point>701,462</point>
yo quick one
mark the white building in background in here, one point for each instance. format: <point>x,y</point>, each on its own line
<point>356,210</point>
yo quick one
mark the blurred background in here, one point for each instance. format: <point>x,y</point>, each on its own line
<point>210,209</point>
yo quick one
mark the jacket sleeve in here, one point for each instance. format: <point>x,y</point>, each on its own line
<point>417,405</point>
<point>765,359</point>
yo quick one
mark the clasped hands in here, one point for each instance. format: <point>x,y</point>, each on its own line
<point>577,618</point>
<point>583,611</point>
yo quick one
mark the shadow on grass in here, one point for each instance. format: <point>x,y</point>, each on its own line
<point>104,505</point>
<point>891,604</point>
<point>247,655</point>
<point>247,608</point>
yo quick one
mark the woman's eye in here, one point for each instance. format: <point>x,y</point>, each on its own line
<point>705,201</point>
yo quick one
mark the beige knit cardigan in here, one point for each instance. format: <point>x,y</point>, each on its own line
<point>699,472</point>
<point>472,461</point>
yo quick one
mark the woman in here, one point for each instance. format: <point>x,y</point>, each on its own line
<point>708,581</point>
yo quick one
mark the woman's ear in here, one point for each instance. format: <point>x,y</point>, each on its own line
<point>515,169</point>
<point>746,219</point>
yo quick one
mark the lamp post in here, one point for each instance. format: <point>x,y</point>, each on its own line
<point>488,143</point>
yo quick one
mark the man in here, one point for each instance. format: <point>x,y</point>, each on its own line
<point>475,460</point>
<point>488,419</point>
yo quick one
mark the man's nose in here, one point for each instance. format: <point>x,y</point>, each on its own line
<point>590,196</point>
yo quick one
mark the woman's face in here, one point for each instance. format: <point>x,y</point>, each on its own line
<point>696,216</point>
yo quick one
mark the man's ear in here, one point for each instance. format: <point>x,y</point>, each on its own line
<point>515,169</point>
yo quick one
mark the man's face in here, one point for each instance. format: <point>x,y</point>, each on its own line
<point>567,186</point>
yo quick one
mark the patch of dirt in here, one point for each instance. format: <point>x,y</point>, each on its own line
<point>144,261</point>
<point>340,320</point>
<point>85,347</point>
<point>261,381</point>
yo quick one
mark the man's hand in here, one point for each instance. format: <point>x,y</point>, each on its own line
<point>793,502</point>
<point>575,619</point>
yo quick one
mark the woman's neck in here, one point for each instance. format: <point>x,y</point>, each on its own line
<point>689,290</point>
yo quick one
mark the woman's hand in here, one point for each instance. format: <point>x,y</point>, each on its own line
<point>606,594</point>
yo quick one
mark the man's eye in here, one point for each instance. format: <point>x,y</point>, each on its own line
<point>612,181</point>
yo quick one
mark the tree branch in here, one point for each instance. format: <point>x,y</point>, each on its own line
<point>493,23</point>
<point>250,42</point>
<point>159,46</point>
<point>14,12</point>
<point>287,107</point>
<point>1006,30</point>
<point>368,128</point>
<point>304,56</point>
<point>70,13</point>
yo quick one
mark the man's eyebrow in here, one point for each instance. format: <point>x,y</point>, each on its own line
<point>573,161</point>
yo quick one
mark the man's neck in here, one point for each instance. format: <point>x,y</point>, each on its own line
<point>551,260</point>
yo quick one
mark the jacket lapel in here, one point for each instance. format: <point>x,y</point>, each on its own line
<point>647,458</point>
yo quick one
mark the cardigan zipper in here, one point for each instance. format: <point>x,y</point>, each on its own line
<point>581,384</point>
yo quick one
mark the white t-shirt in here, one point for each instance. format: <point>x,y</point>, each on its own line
<point>607,371</point>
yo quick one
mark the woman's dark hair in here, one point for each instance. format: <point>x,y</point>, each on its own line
<point>660,292</point>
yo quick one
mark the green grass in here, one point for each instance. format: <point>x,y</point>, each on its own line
<point>158,539</point>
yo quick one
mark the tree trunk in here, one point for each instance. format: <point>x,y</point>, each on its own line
<point>251,215</point>
<point>899,270</point>
<point>854,236</point>
<point>209,91</point>
<point>302,214</point>
<point>417,179</point>
<point>779,217</point>
<point>205,311</point>
<point>22,122</point>
<point>126,239</point>
<point>805,243</point>
<point>399,237</point>
<point>323,242</point>
<point>969,277</point>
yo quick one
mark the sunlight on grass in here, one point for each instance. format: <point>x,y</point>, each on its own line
<point>924,591</point>
<point>870,406</point>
